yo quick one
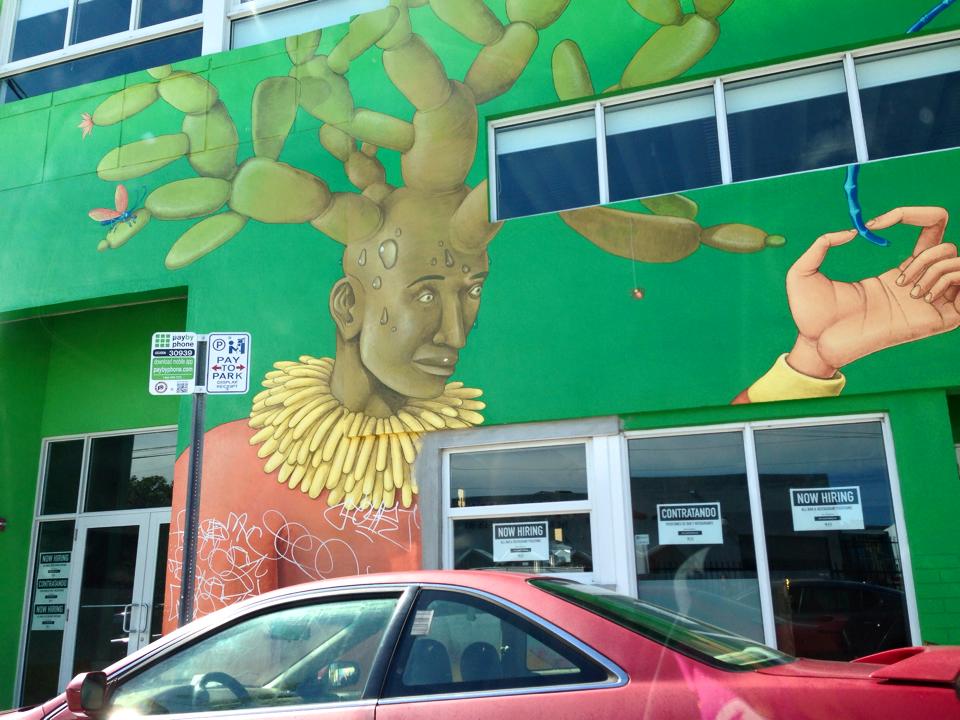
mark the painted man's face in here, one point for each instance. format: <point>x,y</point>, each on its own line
<point>420,302</point>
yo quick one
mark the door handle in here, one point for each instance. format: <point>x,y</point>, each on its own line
<point>127,611</point>
<point>145,619</point>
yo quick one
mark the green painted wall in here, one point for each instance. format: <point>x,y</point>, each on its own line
<point>559,334</point>
<point>24,356</point>
<point>62,375</point>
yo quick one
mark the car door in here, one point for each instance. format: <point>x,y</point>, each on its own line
<point>310,658</point>
<point>470,655</point>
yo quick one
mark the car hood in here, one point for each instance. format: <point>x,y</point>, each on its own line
<point>940,665</point>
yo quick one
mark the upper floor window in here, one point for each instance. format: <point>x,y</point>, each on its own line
<point>789,123</point>
<point>911,101</point>
<point>43,26</point>
<point>49,45</point>
<point>718,131</point>
<point>290,19</point>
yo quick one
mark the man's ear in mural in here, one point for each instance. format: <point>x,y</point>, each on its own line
<point>346,307</point>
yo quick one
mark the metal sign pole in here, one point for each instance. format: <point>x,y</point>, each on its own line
<point>192,526</point>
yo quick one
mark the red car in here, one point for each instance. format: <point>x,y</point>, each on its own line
<point>490,645</point>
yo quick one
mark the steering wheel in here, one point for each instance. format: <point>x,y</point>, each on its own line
<point>200,682</point>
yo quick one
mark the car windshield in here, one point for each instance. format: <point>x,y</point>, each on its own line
<point>699,640</point>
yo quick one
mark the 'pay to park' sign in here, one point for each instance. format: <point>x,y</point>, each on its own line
<point>228,362</point>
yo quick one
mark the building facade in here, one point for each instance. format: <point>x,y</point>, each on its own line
<point>661,296</point>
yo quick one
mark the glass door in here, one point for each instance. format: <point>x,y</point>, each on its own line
<point>118,558</point>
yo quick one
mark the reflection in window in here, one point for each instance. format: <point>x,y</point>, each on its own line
<point>794,122</point>
<point>662,145</point>
<point>537,474</point>
<point>62,477</point>
<point>41,25</point>
<point>97,67</point>
<point>282,658</point>
<point>831,540</point>
<point>131,471</point>
<point>262,27</point>
<point>483,543</point>
<point>41,664</point>
<point>459,643</point>
<point>911,102</point>
<point>98,18</point>
<point>693,533</point>
<point>547,166</point>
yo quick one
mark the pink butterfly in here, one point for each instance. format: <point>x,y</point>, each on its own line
<point>108,217</point>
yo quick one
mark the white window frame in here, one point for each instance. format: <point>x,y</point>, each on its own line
<point>214,19</point>
<point>74,516</point>
<point>598,106</point>
<point>747,430</point>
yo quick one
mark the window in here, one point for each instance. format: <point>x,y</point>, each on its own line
<point>911,101</point>
<point>294,19</point>
<point>791,123</point>
<point>829,554</point>
<point>837,110</point>
<point>317,653</point>
<point>455,643</point>
<point>787,533</point>
<point>43,26</point>
<point>49,45</point>
<point>835,566</point>
<point>703,567</point>
<point>662,145</point>
<point>549,165</point>
<point>551,533</point>
<point>81,477</point>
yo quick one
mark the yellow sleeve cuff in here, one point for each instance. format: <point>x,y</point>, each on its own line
<point>782,382</point>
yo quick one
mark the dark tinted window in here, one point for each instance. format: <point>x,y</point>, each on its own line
<point>41,28</point>
<point>692,529</point>
<point>542,167</point>
<point>98,18</point>
<point>62,479</point>
<point>456,643</point>
<point>154,12</point>
<point>97,67</point>
<point>795,122</point>
<point>501,477</point>
<point>130,471</point>
<point>831,538</point>
<point>911,102</point>
<point>662,146</point>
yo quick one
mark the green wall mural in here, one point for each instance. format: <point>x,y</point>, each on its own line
<point>328,193</point>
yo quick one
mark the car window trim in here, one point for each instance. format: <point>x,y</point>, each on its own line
<point>405,593</point>
<point>618,675</point>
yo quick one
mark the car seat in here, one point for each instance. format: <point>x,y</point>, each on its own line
<point>480,661</point>
<point>428,664</point>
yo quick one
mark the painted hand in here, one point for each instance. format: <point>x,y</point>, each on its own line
<point>839,322</point>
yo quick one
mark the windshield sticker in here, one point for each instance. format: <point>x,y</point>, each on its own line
<point>689,524</point>
<point>422,622</point>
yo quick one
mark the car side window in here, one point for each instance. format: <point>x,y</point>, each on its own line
<point>315,653</point>
<point>455,642</point>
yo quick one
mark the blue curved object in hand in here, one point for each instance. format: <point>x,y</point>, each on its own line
<point>853,203</point>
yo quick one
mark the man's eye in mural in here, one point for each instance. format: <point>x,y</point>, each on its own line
<point>348,428</point>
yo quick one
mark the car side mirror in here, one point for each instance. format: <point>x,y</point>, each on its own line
<point>87,694</point>
<point>342,674</point>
